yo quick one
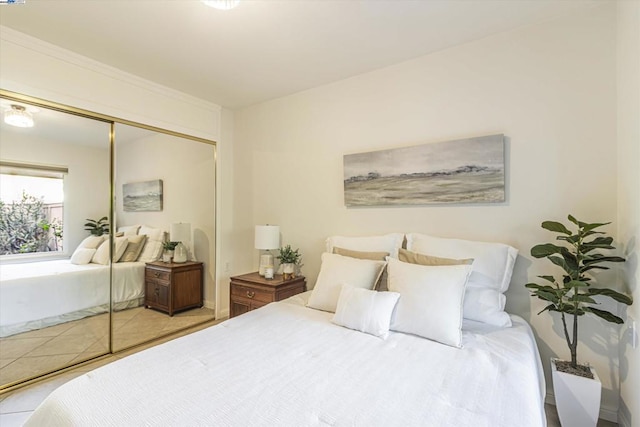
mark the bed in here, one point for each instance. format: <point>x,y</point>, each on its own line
<point>422,352</point>
<point>289,365</point>
<point>41,294</point>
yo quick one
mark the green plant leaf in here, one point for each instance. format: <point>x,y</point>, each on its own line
<point>544,250</point>
<point>597,258</point>
<point>571,239</point>
<point>604,315</point>
<point>548,279</point>
<point>547,296</point>
<point>593,267</point>
<point>569,309</point>
<point>550,307</point>
<point>556,227</point>
<point>576,284</point>
<point>620,297</point>
<point>583,298</point>
<point>589,227</point>
<point>560,262</point>
<point>540,287</point>
<point>571,261</point>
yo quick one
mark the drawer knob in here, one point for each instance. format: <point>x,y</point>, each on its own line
<point>157,274</point>
<point>251,294</point>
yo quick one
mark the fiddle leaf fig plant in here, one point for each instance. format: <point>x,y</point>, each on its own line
<point>573,296</point>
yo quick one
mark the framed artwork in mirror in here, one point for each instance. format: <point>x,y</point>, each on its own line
<point>142,196</point>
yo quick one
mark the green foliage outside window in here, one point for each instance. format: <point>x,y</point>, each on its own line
<point>25,227</point>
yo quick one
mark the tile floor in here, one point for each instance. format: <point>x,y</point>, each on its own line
<point>33,353</point>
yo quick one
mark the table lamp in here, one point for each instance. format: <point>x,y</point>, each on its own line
<point>267,237</point>
<point>181,233</point>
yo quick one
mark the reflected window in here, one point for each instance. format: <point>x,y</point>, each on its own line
<point>31,208</point>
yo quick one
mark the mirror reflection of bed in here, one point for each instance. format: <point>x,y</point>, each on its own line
<point>54,312</point>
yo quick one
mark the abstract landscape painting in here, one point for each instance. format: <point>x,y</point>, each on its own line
<point>462,171</point>
<point>142,196</point>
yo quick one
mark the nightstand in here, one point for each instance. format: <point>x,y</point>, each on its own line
<point>251,291</point>
<point>172,287</point>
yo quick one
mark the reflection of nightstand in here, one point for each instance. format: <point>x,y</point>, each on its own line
<point>172,287</point>
<point>251,291</point>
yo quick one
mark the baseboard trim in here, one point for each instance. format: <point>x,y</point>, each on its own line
<point>623,421</point>
<point>606,413</point>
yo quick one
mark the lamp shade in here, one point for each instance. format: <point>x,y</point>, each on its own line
<point>180,232</point>
<point>267,237</point>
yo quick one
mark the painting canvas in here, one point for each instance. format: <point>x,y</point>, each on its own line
<point>142,196</point>
<point>462,171</point>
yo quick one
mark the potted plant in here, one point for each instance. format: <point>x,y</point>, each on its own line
<point>289,259</point>
<point>168,247</point>
<point>576,387</point>
<point>97,228</point>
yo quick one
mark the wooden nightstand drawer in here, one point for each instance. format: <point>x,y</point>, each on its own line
<point>158,275</point>
<point>252,293</point>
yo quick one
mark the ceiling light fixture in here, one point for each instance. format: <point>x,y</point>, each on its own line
<point>221,4</point>
<point>18,116</point>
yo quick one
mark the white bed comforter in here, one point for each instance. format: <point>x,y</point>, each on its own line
<point>287,365</point>
<point>40,294</point>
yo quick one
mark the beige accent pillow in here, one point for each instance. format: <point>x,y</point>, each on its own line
<point>376,256</point>
<point>423,259</point>
<point>134,248</point>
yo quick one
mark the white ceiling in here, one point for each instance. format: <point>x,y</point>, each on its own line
<point>266,49</point>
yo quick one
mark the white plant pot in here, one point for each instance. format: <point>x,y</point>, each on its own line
<point>577,398</point>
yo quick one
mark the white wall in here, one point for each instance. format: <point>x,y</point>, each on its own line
<point>187,170</point>
<point>629,196</point>
<point>550,88</point>
<point>86,184</point>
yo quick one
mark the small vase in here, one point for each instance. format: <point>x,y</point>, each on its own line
<point>288,271</point>
<point>166,256</point>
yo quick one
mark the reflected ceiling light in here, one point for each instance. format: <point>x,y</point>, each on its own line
<point>222,4</point>
<point>18,116</point>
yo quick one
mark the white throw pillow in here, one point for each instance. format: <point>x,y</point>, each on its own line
<point>431,299</point>
<point>365,310</point>
<point>492,269</point>
<point>386,243</point>
<point>82,256</point>
<point>337,270</point>
<point>102,254</point>
<point>152,250</point>
<point>92,242</point>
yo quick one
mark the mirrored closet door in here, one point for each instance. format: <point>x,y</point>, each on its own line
<point>54,294</point>
<point>89,207</point>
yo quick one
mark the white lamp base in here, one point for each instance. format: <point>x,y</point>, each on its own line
<point>266,261</point>
<point>180,253</point>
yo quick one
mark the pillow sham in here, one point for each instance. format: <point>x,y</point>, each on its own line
<point>152,250</point>
<point>336,270</point>
<point>492,262</point>
<point>129,230</point>
<point>134,248</point>
<point>82,256</point>
<point>431,299</point>
<point>365,310</point>
<point>386,243</point>
<point>492,269</point>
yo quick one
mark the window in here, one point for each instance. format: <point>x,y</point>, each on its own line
<point>31,208</point>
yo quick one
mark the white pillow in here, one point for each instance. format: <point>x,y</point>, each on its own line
<point>92,242</point>
<point>431,299</point>
<point>82,256</point>
<point>129,230</point>
<point>152,250</point>
<point>102,254</point>
<point>386,243</point>
<point>492,262</point>
<point>492,269</point>
<point>337,270</point>
<point>365,311</point>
